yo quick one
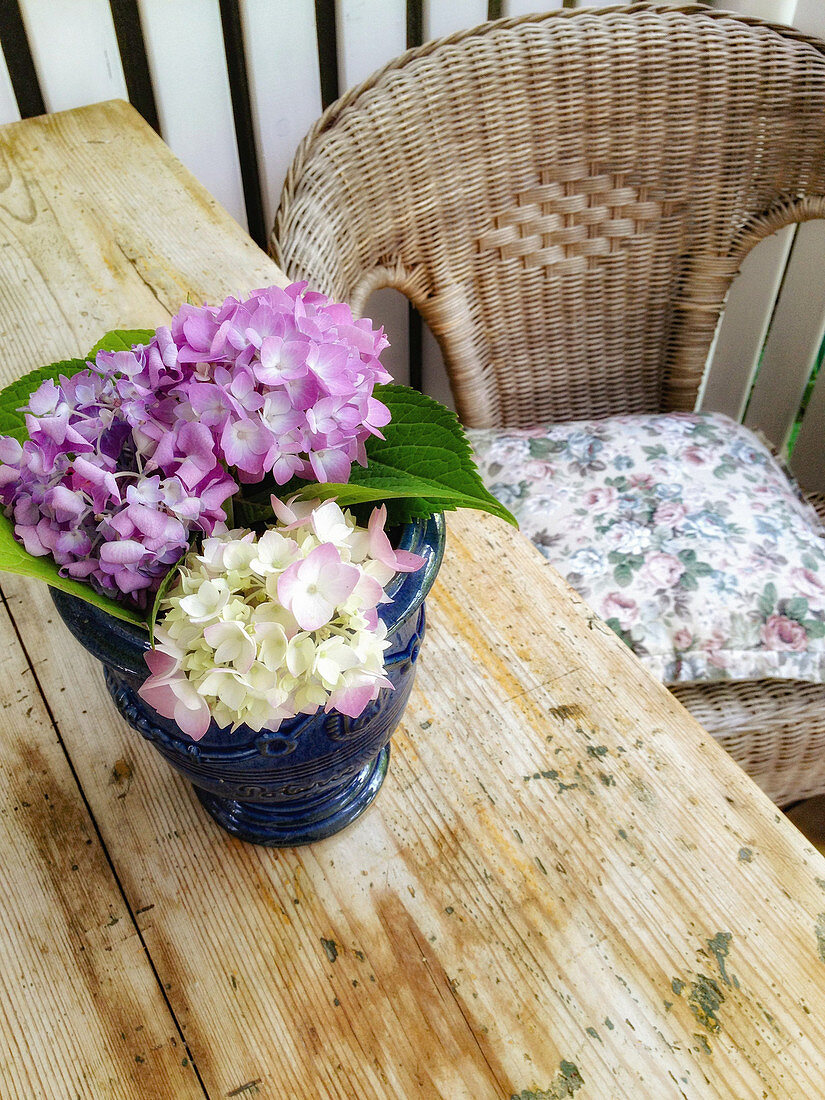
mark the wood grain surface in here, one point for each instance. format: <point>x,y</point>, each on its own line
<point>564,887</point>
<point>81,1011</point>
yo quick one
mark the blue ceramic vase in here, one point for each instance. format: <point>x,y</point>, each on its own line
<point>315,774</point>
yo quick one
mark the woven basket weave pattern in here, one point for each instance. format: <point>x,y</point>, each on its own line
<point>566,199</point>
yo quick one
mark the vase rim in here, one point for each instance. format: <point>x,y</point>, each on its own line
<point>121,645</point>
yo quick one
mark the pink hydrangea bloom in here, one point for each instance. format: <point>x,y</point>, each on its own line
<point>283,380</point>
<point>84,489</point>
<point>126,459</point>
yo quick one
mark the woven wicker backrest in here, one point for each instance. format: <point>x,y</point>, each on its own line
<point>565,198</point>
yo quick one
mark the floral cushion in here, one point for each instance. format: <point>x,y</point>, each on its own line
<point>681,531</point>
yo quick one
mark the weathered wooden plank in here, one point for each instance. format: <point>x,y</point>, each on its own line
<point>795,336</point>
<point>9,111</point>
<point>81,195</point>
<point>81,1013</point>
<point>284,85</point>
<point>541,860</point>
<point>563,883</point>
<point>734,357</point>
<point>75,52</point>
<point>184,47</point>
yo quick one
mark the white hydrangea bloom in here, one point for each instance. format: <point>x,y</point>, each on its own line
<point>260,629</point>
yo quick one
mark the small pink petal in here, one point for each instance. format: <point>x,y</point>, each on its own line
<point>125,552</point>
<point>159,696</point>
<point>193,722</point>
<point>352,700</point>
<point>402,561</point>
<point>160,663</point>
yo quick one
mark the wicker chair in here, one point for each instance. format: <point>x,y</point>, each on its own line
<point>566,198</point>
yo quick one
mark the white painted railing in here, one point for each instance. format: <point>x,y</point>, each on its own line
<point>774,322</point>
<point>775,318</point>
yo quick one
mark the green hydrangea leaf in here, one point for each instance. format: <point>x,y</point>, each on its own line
<point>423,465</point>
<point>122,339</point>
<point>15,559</point>
<point>163,588</point>
<point>16,395</point>
<point>250,512</point>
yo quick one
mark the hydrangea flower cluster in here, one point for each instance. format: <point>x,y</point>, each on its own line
<point>261,628</point>
<point>128,457</point>
<point>283,381</point>
<point>79,490</point>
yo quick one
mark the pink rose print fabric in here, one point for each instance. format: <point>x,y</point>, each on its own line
<point>682,531</point>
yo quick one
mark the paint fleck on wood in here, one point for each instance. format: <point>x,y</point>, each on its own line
<point>568,1082</point>
<point>720,947</point>
<point>703,1044</point>
<point>704,1000</point>
<point>819,930</point>
<point>554,776</point>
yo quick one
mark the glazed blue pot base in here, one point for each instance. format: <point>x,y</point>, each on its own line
<point>285,825</point>
<point>313,775</point>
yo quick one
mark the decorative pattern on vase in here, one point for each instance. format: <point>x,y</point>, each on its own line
<point>305,755</point>
<point>313,775</point>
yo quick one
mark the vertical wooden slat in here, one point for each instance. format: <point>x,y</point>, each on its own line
<point>75,51</point>
<point>184,44</point>
<point>9,111</point>
<point>512,8</point>
<point>794,339</point>
<point>370,33</point>
<point>126,19</point>
<point>808,458</point>
<point>27,98</point>
<point>734,358</point>
<point>809,16</point>
<point>284,85</point>
<point>441,19</point>
<point>774,11</point>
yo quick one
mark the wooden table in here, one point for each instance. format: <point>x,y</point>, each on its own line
<point>564,886</point>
